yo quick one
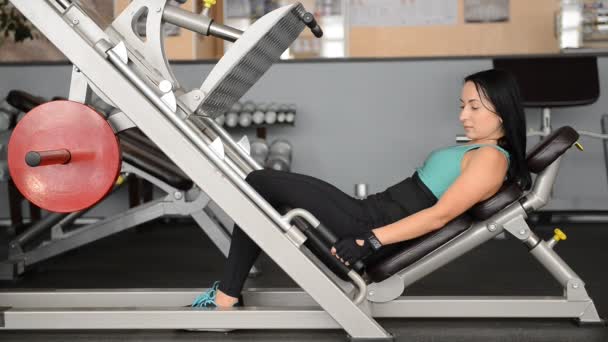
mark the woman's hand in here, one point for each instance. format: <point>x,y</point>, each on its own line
<point>352,249</point>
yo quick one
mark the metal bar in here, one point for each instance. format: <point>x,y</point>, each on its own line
<point>225,32</point>
<point>508,307</point>
<point>403,307</point>
<point>216,233</point>
<point>71,218</point>
<point>168,318</point>
<point>233,147</point>
<point>187,19</point>
<point>135,171</point>
<point>79,88</point>
<point>214,210</point>
<point>64,3</point>
<point>541,192</point>
<point>142,298</point>
<point>554,264</point>
<point>237,165</point>
<point>34,212</point>
<point>94,232</point>
<point>604,124</point>
<point>45,224</point>
<point>14,202</point>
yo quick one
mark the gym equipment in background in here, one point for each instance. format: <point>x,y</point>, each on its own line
<point>279,155</point>
<point>558,82</point>
<point>250,114</point>
<point>259,151</point>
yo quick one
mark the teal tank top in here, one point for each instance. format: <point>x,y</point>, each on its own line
<point>442,166</point>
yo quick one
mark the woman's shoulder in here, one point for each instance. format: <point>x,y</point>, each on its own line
<point>489,154</point>
<point>486,154</point>
<point>485,147</point>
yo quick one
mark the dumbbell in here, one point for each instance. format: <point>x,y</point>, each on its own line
<point>248,113</point>
<point>259,151</point>
<point>236,107</point>
<point>249,106</point>
<point>279,155</point>
<point>262,107</point>
<point>258,117</point>
<point>281,117</point>
<point>232,119</point>
<point>290,117</point>
<point>270,117</point>
<point>245,119</point>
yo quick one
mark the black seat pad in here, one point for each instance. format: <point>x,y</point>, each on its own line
<point>394,258</point>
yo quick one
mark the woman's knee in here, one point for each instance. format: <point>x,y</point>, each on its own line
<point>259,179</point>
<point>255,177</point>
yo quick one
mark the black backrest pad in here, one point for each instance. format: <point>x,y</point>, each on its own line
<point>396,257</point>
<point>550,148</point>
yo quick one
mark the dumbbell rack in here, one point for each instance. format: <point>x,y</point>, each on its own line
<point>106,64</point>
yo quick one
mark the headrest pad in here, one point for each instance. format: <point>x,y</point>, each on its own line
<point>550,148</point>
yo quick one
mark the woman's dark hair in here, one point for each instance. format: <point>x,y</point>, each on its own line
<point>500,87</point>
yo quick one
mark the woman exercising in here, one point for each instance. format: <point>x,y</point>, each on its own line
<point>450,181</point>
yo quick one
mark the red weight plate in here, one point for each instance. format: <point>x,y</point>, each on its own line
<point>92,169</point>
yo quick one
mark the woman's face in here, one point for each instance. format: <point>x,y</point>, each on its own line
<point>477,115</point>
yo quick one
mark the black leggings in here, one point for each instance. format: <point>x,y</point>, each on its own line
<point>343,214</point>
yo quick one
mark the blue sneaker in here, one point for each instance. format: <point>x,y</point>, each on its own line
<point>207,299</point>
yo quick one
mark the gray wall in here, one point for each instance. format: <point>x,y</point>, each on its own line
<point>371,122</point>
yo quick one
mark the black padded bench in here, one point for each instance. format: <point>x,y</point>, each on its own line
<point>396,257</point>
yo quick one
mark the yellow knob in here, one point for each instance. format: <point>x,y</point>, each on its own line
<point>579,146</point>
<point>209,3</point>
<point>120,180</point>
<point>559,235</point>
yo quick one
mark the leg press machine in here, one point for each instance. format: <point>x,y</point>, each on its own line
<point>133,75</point>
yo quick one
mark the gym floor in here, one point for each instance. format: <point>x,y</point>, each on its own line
<point>179,255</point>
